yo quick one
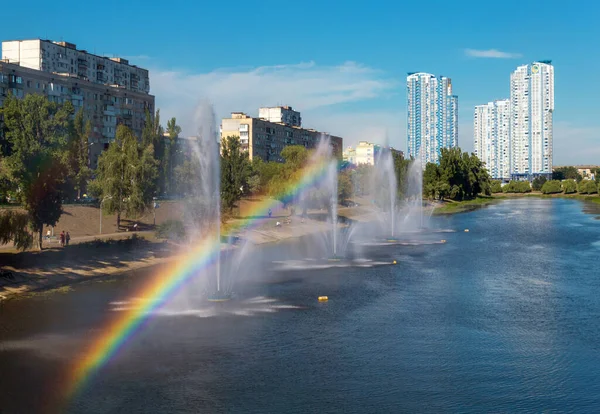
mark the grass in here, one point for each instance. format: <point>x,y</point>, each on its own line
<point>451,207</point>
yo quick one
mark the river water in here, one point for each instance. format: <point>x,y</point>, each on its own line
<point>504,318</point>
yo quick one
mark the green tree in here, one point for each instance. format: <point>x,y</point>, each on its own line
<point>344,186</point>
<point>587,187</point>
<point>565,173</point>
<point>80,171</point>
<point>517,187</point>
<point>170,156</point>
<point>569,186</point>
<point>235,171</point>
<point>552,187</point>
<point>538,183</point>
<point>126,176</point>
<point>13,228</point>
<point>496,187</point>
<point>37,133</point>
<point>153,134</point>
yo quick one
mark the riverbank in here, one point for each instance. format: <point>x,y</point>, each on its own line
<point>454,207</point>
<point>86,260</point>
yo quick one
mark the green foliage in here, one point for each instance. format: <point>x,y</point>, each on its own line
<point>401,167</point>
<point>170,229</point>
<point>13,228</point>
<point>496,187</point>
<point>126,176</point>
<point>538,183</point>
<point>344,186</point>
<point>458,176</point>
<point>565,173</point>
<point>361,179</point>
<point>517,187</point>
<point>187,177</point>
<point>569,186</point>
<point>552,187</point>
<point>79,169</point>
<point>587,187</point>
<point>169,161</point>
<point>235,171</point>
<point>37,136</point>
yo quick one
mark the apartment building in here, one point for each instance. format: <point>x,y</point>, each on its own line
<point>432,116</point>
<point>532,108</point>
<point>491,126</point>
<point>106,103</point>
<point>265,139</point>
<point>281,114</point>
<point>64,58</point>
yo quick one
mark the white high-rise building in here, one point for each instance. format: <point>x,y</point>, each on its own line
<point>491,128</point>
<point>532,106</point>
<point>281,114</point>
<point>432,116</point>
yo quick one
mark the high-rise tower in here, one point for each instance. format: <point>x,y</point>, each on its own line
<point>432,116</point>
<point>532,107</point>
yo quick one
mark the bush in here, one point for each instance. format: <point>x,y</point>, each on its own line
<point>517,187</point>
<point>552,187</point>
<point>538,183</point>
<point>569,186</point>
<point>170,229</point>
<point>496,187</point>
<point>587,187</point>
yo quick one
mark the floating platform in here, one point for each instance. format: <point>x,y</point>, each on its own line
<point>219,297</point>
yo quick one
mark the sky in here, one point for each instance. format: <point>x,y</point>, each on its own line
<point>343,64</point>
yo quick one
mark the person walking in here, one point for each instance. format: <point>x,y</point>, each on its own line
<point>270,213</point>
<point>67,239</point>
<point>62,238</point>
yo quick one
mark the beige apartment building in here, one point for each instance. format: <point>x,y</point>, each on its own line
<point>265,139</point>
<point>108,99</point>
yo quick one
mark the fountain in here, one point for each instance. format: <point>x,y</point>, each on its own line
<point>207,153</point>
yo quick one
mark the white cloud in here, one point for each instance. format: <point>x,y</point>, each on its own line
<point>491,53</point>
<point>310,88</point>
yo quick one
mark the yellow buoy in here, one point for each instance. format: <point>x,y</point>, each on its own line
<point>466,230</point>
<point>394,262</point>
<point>443,241</point>
<point>323,298</point>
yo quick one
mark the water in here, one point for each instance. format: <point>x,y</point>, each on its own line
<point>503,318</point>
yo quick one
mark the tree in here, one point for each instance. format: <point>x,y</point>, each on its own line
<point>517,187</point>
<point>496,187</point>
<point>587,187</point>
<point>564,173</point>
<point>569,186</point>
<point>169,161</point>
<point>344,186</point>
<point>538,183</point>
<point>458,176</point>
<point>153,134</point>
<point>235,171</point>
<point>37,133</point>
<point>13,228</point>
<point>552,187</point>
<point>126,176</point>
<point>80,171</point>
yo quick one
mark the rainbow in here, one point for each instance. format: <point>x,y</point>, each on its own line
<point>160,288</point>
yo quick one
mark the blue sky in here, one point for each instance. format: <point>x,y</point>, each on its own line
<point>342,63</point>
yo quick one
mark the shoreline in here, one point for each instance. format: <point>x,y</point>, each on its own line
<point>455,207</point>
<point>54,269</point>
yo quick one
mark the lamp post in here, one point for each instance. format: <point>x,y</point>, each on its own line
<point>105,198</point>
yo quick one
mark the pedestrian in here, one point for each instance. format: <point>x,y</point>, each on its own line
<point>48,233</point>
<point>67,238</point>
<point>270,213</point>
<point>62,238</point>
